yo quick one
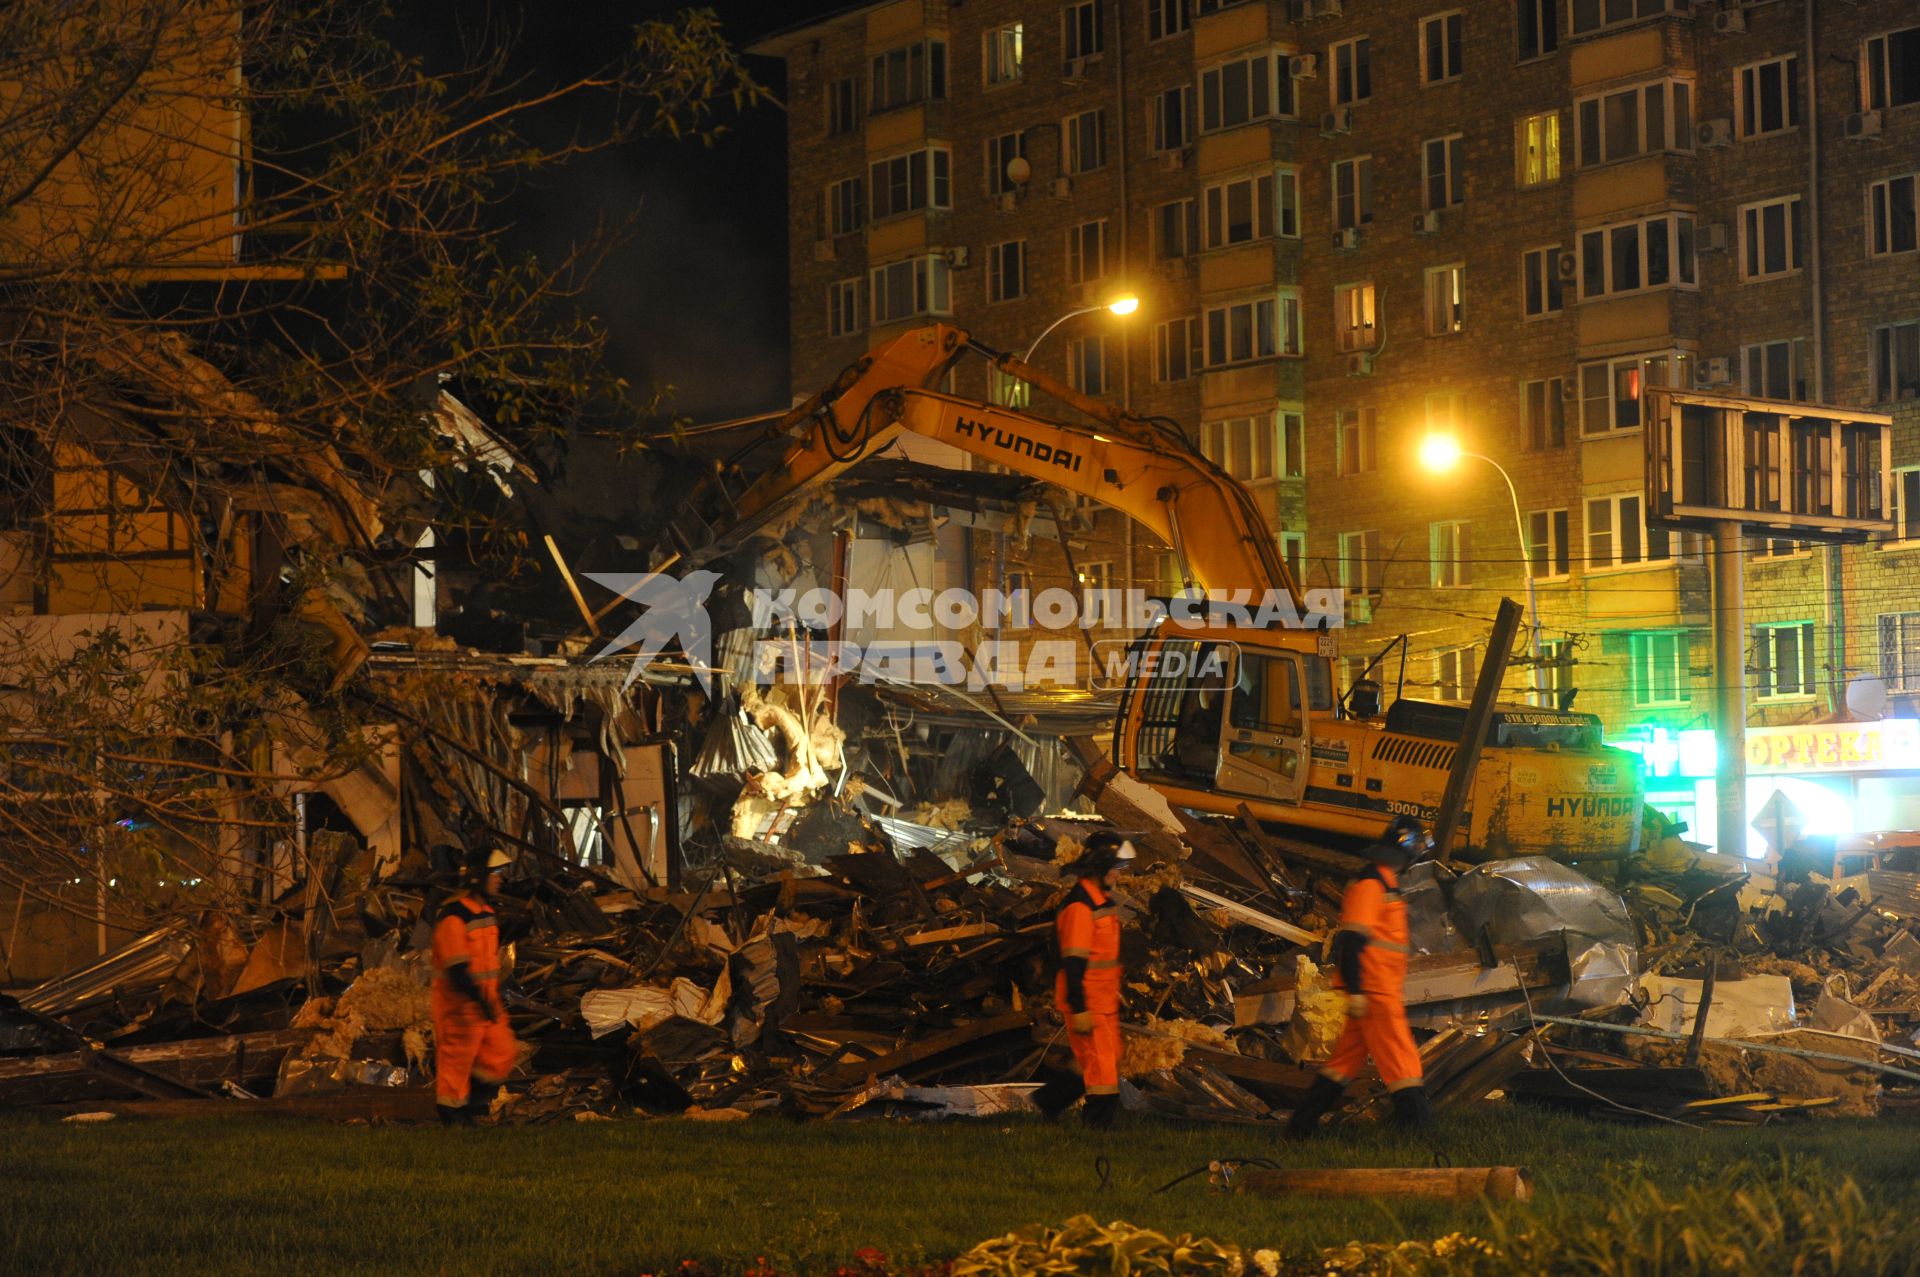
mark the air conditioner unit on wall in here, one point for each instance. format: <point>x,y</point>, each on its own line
<point>1712,372</point>
<point>1062,188</point>
<point>1009,202</point>
<point>1714,133</point>
<point>1711,238</point>
<point>1567,266</point>
<point>1360,364</point>
<point>957,258</point>
<point>1176,268</point>
<point>1303,67</point>
<point>1339,120</point>
<point>1863,124</point>
<point>1348,238</point>
<point>1728,21</point>
<point>1173,161</point>
<point>1427,223</point>
<point>824,250</point>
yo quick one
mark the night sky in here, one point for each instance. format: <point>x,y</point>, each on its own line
<point>697,298</point>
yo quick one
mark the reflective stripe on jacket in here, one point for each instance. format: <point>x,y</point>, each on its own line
<point>1088,926</point>
<point>1372,907</point>
<point>468,932</point>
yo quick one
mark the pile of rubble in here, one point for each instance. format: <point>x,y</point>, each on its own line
<point>909,971</point>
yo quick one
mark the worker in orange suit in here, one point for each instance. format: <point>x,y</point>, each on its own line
<point>473,1047</point>
<point>1370,962</point>
<point>1087,990</point>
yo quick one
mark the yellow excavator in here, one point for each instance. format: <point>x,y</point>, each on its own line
<point>1219,714</point>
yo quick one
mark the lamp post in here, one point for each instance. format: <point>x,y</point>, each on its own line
<point>1440,453</point>
<point>1119,306</point>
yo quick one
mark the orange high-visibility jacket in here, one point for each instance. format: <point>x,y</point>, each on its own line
<point>469,933</point>
<point>1088,926</point>
<point>1373,908</point>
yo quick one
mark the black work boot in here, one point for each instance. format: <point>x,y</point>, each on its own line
<point>1058,1090</point>
<point>1099,1111</point>
<point>454,1115</point>
<point>480,1100</point>
<point>1413,1110</point>
<point>1321,1097</point>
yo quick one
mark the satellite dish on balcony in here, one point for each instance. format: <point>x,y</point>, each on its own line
<point>1867,697</point>
<point>1019,171</point>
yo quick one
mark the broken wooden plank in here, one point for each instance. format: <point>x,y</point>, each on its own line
<point>910,1057</point>
<point>193,1064</point>
<point>1247,916</point>
<point>946,935</point>
<point>1453,1183</point>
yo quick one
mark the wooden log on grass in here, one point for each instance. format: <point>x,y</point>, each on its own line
<point>1453,1183</point>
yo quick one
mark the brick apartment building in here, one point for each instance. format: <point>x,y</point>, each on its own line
<point>1353,223</point>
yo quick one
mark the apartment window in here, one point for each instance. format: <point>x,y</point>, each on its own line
<point>1598,15</point>
<point>1007,270</point>
<point>1770,239</point>
<point>1556,670</point>
<point>1537,24</point>
<point>1354,441</point>
<point>1617,533</point>
<point>1355,320</point>
<point>1246,447</point>
<point>1446,411</point>
<point>1352,193</point>
<point>1540,282</point>
<point>1896,362</point>
<point>1175,230</point>
<point>1893,69</point>
<point>1286,194</point>
<point>1641,120</point>
<point>1440,48</point>
<point>1096,585</point>
<point>911,182</point>
<point>914,73</point>
<point>1256,87</point>
<point>1293,552</point>
<point>1087,365</point>
<point>1536,149</point>
<point>1454,672</point>
<point>846,206</point>
<point>1894,224</point>
<point>1361,567</point>
<point>1900,650</point>
<point>1783,660</point>
<point>917,286</point>
<point>1239,211</point>
<point>1003,54</point>
<point>1241,332</point>
<point>1768,96</point>
<point>1168,17</point>
<point>843,307</point>
<point>1775,369</point>
<point>1548,554</point>
<point>1905,513</point>
<point>1172,118</point>
<point>1002,151</point>
<point>1448,543</point>
<point>1176,349</point>
<point>1352,71</point>
<point>1086,135</point>
<point>1083,32</point>
<point>1087,252</point>
<point>1442,175</point>
<point>1610,388</point>
<point>1655,252</point>
<point>1293,445</point>
<point>1019,612</point>
<point>1007,390</point>
<point>1446,299</point>
<point>1659,671</point>
<point>1543,408</point>
<point>843,105</point>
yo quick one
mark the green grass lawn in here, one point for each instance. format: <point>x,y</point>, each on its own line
<point>259,1195</point>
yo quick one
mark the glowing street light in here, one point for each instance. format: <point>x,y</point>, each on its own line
<point>1119,306</point>
<point>1440,453</point>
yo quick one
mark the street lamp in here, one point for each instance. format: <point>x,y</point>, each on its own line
<point>1119,306</point>
<point>1440,453</point>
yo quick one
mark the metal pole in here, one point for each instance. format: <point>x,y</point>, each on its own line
<point>1526,567</point>
<point>1072,314</point>
<point>1730,688</point>
<point>1479,717</point>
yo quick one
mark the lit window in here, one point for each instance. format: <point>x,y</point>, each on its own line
<point>1446,299</point>
<point>1536,149</point>
<point>1355,321</point>
<point>1003,54</point>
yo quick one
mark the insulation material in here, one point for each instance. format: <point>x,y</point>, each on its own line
<point>1163,1045</point>
<point>950,814</point>
<point>381,1000</point>
<point>1319,1014</point>
<point>1855,1092</point>
<point>810,741</point>
<point>640,1007</point>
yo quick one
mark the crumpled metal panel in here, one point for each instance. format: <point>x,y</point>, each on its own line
<point>1534,896</point>
<point>143,963</point>
<point>1430,929</point>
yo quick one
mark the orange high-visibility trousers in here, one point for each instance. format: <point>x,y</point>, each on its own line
<point>1383,1034</point>
<point>1098,1054</point>
<point>466,1045</point>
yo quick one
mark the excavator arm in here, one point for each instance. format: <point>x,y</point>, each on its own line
<point>1144,469</point>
